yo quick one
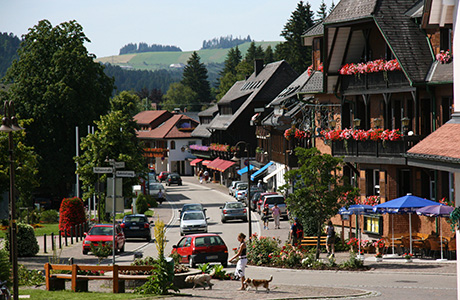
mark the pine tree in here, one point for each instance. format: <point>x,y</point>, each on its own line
<point>231,61</point>
<point>195,76</point>
<point>269,57</point>
<point>292,50</point>
<point>331,8</point>
<point>322,11</point>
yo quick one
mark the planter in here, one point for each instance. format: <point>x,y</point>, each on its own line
<point>360,256</point>
<point>408,260</point>
<point>379,259</point>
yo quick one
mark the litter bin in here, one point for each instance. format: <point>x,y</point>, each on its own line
<point>170,268</point>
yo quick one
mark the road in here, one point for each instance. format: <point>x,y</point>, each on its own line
<point>389,280</point>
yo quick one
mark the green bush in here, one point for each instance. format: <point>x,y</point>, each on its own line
<point>5,266</point>
<point>160,282</point>
<point>29,277</point>
<point>71,212</point>
<point>141,204</point>
<point>260,248</point>
<point>49,216</point>
<point>27,242</point>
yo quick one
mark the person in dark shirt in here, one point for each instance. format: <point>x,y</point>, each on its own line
<point>296,233</point>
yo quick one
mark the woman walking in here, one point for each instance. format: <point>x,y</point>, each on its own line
<point>241,265</point>
<point>266,216</point>
<point>276,212</point>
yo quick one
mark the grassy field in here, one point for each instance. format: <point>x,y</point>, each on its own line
<point>46,229</point>
<point>162,60</point>
<point>37,294</point>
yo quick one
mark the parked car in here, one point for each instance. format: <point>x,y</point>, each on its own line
<point>103,234</point>
<point>163,175</point>
<point>261,200</point>
<point>240,187</point>
<point>232,211</point>
<point>136,226</point>
<point>193,221</point>
<point>231,188</point>
<point>254,199</point>
<point>173,178</point>
<point>242,194</point>
<point>192,206</point>
<point>270,200</point>
<point>202,248</point>
<point>157,191</point>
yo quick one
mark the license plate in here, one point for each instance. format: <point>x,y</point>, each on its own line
<point>211,257</point>
<point>135,227</point>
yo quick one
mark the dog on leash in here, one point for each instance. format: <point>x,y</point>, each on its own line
<point>201,279</point>
<point>256,283</point>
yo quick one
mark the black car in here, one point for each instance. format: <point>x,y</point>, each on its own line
<point>173,178</point>
<point>254,200</point>
<point>136,226</point>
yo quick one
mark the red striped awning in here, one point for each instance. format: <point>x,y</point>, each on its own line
<point>225,165</point>
<point>195,161</point>
<point>205,162</point>
<point>214,163</point>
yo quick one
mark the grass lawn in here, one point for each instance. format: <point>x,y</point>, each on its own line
<point>46,229</point>
<point>69,295</point>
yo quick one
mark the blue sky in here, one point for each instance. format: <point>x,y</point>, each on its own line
<point>184,23</point>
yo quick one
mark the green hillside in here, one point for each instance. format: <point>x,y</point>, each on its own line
<point>162,60</point>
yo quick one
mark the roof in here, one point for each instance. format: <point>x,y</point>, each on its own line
<point>209,112</point>
<point>349,10</point>
<point>148,116</point>
<point>168,129</point>
<point>314,84</point>
<point>316,30</point>
<point>201,131</point>
<point>407,41</point>
<point>291,90</point>
<point>440,73</point>
<point>236,92</point>
<point>415,11</point>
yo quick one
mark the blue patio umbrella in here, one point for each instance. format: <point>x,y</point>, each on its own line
<point>357,209</point>
<point>438,210</point>
<point>404,205</point>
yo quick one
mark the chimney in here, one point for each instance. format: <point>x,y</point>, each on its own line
<point>258,66</point>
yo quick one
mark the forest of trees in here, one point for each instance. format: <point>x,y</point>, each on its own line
<point>137,80</point>
<point>9,44</point>
<point>225,42</point>
<point>144,47</point>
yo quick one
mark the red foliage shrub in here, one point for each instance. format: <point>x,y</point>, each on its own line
<point>71,213</point>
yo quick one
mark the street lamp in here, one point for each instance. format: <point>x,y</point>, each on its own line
<point>356,123</point>
<point>246,149</point>
<point>10,124</point>
<point>405,124</point>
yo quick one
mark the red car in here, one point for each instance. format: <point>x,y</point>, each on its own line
<point>103,233</point>
<point>202,248</point>
<point>261,200</point>
<point>163,175</point>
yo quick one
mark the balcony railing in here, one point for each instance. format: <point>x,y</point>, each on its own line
<point>155,152</point>
<point>370,81</point>
<point>387,149</point>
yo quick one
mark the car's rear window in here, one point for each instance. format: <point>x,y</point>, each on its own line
<point>235,205</point>
<point>192,207</point>
<point>273,200</point>
<point>193,216</point>
<point>135,219</point>
<point>205,241</point>
<point>241,186</point>
<point>101,231</point>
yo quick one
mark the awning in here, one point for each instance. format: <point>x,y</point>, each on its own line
<point>244,170</point>
<point>224,165</point>
<point>259,173</point>
<point>213,164</point>
<point>205,162</point>
<point>278,170</point>
<point>195,161</point>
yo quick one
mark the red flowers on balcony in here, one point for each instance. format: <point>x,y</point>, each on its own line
<point>375,66</point>
<point>310,69</point>
<point>444,57</point>
<point>362,135</point>
<point>295,133</point>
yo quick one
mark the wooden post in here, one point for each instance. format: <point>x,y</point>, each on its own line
<point>52,241</point>
<point>115,278</point>
<point>47,276</point>
<point>44,243</point>
<point>74,277</point>
<point>60,239</point>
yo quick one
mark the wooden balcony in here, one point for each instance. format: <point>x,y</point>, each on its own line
<point>389,152</point>
<point>374,81</point>
<point>155,152</point>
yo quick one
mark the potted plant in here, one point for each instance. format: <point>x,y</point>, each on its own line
<point>408,257</point>
<point>378,257</point>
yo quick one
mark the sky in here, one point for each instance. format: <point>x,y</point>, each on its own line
<point>111,24</point>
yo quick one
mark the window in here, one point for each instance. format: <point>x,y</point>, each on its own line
<point>373,224</point>
<point>446,39</point>
<point>173,145</point>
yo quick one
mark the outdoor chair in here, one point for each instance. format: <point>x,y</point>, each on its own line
<point>435,246</point>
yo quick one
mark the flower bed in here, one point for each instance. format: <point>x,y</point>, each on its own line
<point>362,135</point>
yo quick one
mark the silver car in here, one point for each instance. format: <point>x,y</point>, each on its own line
<point>231,188</point>
<point>157,191</point>
<point>233,210</point>
<point>193,221</point>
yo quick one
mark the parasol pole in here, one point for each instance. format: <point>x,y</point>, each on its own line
<point>410,232</point>
<point>393,232</point>
<point>440,230</point>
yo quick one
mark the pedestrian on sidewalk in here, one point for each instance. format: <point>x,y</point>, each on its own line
<point>200,174</point>
<point>241,265</point>
<point>276,215</point>
<point>206,176</point>
<point>296,233</point>
<point>266,216</point>
<point>330,239</point>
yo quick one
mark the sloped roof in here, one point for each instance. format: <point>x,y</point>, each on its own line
<point>209,112</point>
<point>408,42</point>
<point>148,116</point>
<point>350,10</point>
<point>416,11</point>
<point>315,30</point>
<point>291,90</point>
<point>440,73</point>
<point>235,92</point>
<point>201,131</point>
<point>167,130</point>
<point>314,84</point>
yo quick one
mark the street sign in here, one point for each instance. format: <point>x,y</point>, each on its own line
<point>119,164</point>
<point>101,170</point>
<point>125,174</point>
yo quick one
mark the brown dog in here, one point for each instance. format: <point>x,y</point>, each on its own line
<point>201,279</point>
<point>255,283</point>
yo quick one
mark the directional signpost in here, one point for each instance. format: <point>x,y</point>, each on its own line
<point>126,174</point>
<point>102,170</point>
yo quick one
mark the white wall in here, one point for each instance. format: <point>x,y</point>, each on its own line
<point>177,155</point>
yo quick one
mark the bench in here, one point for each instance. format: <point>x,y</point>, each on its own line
<point>312,241</point>
<point>56,281</point>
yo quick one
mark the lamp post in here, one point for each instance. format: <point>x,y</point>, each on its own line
<point>405,124</point>
<point>246,149</point>
<point>10,124</point>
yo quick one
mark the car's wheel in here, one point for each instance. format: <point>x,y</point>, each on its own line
<point>224,264</point>
<point>191,262</point>
<point>147,239</point>
<point>223,220</point>
<point>85,252</point>
<point>181,234</point>
<point>245,219</point>
<point>180,183</point>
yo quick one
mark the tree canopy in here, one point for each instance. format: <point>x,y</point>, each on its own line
<point>9,44</point>
<point>195,76</point>
<point>56,83</point>
<point>316,189</point>
<point>180,96</point>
